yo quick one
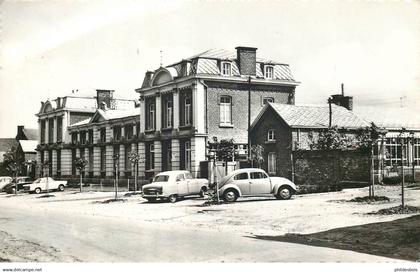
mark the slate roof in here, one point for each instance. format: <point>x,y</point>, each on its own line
<point>109,115</point>
<point>391,118</point>
<point>315,116</point>
<point>31,133</point>
<point>28,145</point>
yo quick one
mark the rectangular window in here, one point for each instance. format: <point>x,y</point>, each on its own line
<point>271,135</point>
<point>416,151</point>
<point>395,154</point>
<point>226,68</point>
<point>102,134</point>
<point>103,158</point>
<point>127,162</point>
<point>74,138</point>
<point>269,72</point>
<point>58,163</point>
<point>90,161</point>
<point>42,131</point>
<point>73,162</point>
<point>138,129</point>
<point>167,155</point>
<point>168,114</point>
<point>187,155</point>
<point>187,111</point>
<point>83,137</point>
<point>225,110</point>
<point>151,117</point>
<point>82,153</point>
<point>117,133</point>
<point>90,136</point>
<point>128,131</point>
<point>51,130</point>
<point>150,156</point>
<point>59,129</point>
<point>272,163</point>
<point>50,159</point>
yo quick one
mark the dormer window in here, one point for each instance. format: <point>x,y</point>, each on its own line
<point>269,72</point>
<point>226,68</point>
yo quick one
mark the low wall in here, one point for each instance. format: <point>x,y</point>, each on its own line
<point>328,167</point>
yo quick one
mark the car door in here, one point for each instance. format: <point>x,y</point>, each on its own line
<point>260,183</point>
<point>242,181</point>
<point>193,184</point>
<point>182,184</point>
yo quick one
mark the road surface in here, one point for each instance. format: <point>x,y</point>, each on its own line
<point>93,238</point>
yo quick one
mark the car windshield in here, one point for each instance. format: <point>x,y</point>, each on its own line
<point>161,178</point>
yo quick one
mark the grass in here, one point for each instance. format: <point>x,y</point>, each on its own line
<point>398,239</point>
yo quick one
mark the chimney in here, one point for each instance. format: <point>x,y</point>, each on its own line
<point>20,135</point>
<point>247,58</point>
<point>347,102</point>
<point>104,97</point>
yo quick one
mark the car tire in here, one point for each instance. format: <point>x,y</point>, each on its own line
<point>172,198</point>
<point>13,190</point>
<point>61,187</point>
<point>37,190</point>
<point>284,192</point>
<point>230,195</point>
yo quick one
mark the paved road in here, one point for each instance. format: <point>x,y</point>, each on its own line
<point>101,239</point>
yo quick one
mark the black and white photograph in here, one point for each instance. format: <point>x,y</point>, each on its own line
<point>209,135</point>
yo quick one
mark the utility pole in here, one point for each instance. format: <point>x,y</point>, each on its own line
<point>330,112</point>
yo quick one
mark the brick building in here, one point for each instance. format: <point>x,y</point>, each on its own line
<point>282,129</point>
<point>58,117</point>
<point>186,104</point>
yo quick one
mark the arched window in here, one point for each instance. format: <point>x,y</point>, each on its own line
<point>225,110</point>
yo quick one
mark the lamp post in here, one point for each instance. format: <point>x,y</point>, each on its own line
<point>116,161</point>
<point>134,158</point>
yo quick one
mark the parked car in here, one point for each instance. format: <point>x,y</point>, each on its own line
<point>254,182</point>
<point>171,185</point>
<point>21,181</point>
<point>4,181</point>
<point>40,185</point>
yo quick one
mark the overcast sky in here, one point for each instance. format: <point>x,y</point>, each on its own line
<point>49,48</point>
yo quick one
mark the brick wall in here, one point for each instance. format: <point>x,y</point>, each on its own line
<point>246,59</point>
<point>239,94</point>
<point>282,145</point>
<point>329,167</point>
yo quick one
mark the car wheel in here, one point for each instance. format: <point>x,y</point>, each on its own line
<point>230,195</point>
<point>37,190</point>
<point>172,198</point>
<point>13,191</point>
<point>285,192</point>
<point>61,187</point>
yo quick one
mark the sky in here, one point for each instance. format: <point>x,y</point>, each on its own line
<point>49,48</point>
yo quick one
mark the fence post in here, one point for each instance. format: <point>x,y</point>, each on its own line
<point>128,185</point>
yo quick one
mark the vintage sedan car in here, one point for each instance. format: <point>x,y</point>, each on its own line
<point>172,185</point>
<point>4,181</point>
<point>254,182</point>
<point>21,181</point>
<point>41,184</point>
